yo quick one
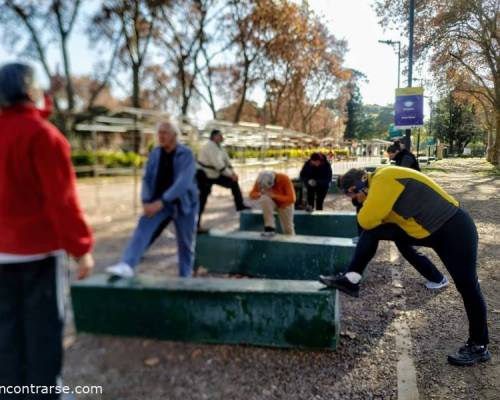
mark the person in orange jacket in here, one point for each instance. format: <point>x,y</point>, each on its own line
<point>274,191</point>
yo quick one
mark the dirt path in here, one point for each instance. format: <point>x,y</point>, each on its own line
<point>439,324</point>
<point>364,367</point>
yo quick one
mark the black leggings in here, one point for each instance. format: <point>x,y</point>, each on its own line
<point>456,245</point>
<point>316,194</point>
<point>205,187</point>
<point>31,325</point>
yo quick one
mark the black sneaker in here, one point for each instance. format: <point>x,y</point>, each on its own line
<point>268,232</point>
<point>243,208</point>
<point>202,231</point>
<point>341,283</point>
<point>309,209</point>
<point>469,355</point>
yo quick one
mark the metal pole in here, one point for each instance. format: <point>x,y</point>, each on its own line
<point>418,142</point>
<point>95,168</point>
<point>410,47</point>
<point>136,185</point>
<point>399,64</point>
<point>410,64</point>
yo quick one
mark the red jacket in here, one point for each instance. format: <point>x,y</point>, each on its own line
<point>39,209</point>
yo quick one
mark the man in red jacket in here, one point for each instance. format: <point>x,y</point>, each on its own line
<point>40,218</point>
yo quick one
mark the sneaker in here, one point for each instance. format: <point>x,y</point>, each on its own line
<point>268,232</point>
<point>121,269</point>
<point>309,208</point>
<point>341,283</point>
<point>243,208</point>
<point>470,354</point>
<point>437,285</point>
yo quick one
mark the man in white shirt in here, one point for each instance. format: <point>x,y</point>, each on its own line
<point>214,168</point>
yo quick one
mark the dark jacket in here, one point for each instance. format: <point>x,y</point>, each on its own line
<point>406,159</point>
<point>322,174</point>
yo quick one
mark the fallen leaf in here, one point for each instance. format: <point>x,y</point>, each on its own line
<point>151,362</point>
<point>68,342</point>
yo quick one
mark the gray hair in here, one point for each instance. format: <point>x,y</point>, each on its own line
<point>172,125</point>
<point>16,81</point>
<point>266,179</point>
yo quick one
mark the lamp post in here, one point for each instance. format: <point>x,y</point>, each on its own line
<point>410,63</point>
<point>391,43</point>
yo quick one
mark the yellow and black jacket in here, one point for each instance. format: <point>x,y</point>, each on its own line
<point>408,198</point>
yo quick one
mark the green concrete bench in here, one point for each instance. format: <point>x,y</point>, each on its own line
<point>280,257</point>
<point>318,223</point>
<point>233,311</point>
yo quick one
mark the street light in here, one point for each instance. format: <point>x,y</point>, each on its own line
<point>391,43</point>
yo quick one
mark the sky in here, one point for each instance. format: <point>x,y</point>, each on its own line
<point>352,20</point>
<point>356,22</point>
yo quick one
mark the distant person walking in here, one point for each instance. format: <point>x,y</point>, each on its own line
<point>40,218</point>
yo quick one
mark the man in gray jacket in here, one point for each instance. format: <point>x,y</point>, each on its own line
<point>214,168</point>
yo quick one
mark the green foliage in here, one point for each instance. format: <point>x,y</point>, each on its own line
<point>107,159</point>
<point>82,158</point>
<point>354,109</point>
<point>456,123</point>
<point>366,121</point>
<point>282,153</point>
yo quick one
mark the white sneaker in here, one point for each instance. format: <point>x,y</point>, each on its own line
<point>437,285</point>
<point>121,269</point>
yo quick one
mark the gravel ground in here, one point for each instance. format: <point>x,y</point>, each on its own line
<point>363,367</point>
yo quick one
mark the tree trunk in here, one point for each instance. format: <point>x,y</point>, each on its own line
<point>450,151</point>
<point>490,144</point>
<point>185,105</point>
<point>136,101</point>
<point>239,110</point>
<point>70,93</point>
<point>495,156</point>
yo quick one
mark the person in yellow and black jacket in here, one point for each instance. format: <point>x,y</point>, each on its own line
<point>406,206</point>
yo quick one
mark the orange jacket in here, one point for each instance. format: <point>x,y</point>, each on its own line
<point>282,191</point>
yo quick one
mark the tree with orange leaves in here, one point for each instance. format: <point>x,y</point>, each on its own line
<point>460,39</point>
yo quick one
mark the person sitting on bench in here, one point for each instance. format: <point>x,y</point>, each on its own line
<point>406,206</point>
<point>317,177</point>
<point>169,193</point>
<point>275,191</point>
<point>214,168</point>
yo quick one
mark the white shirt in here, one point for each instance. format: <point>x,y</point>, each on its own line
<point>6,258</point>
<point>214,161</point>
